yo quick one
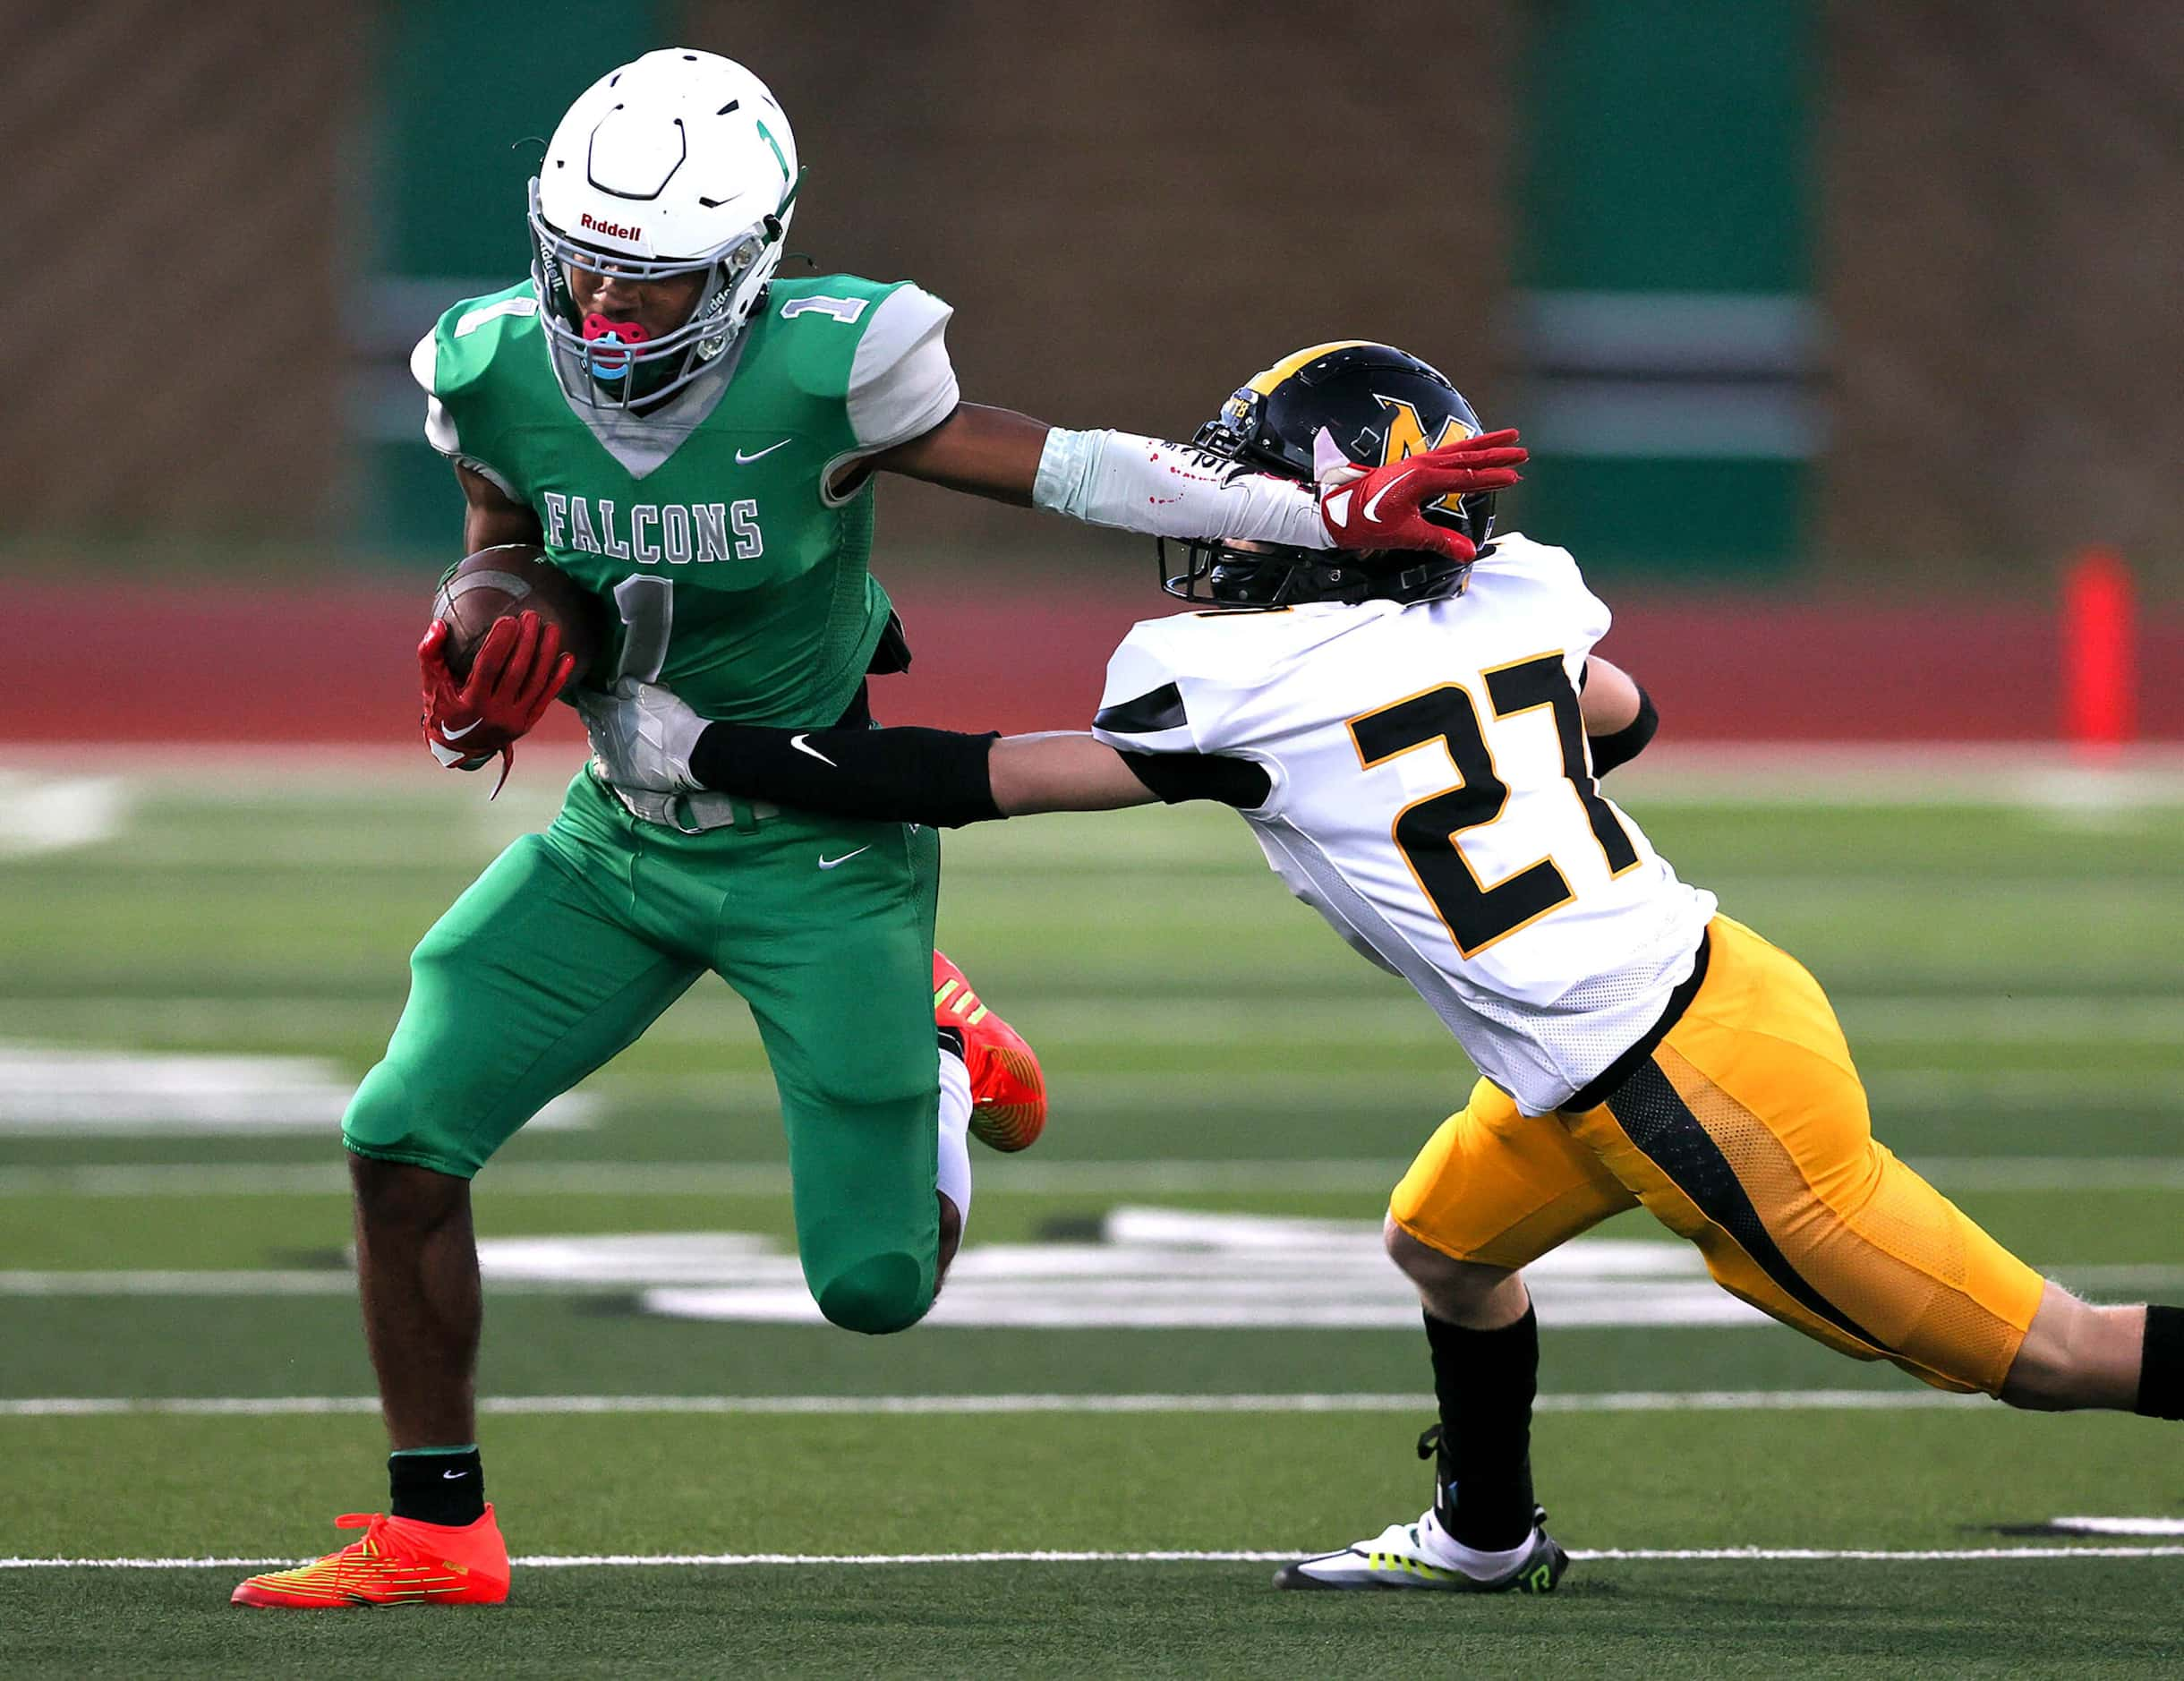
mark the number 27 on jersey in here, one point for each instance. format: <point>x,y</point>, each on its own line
<point>1428,831</point>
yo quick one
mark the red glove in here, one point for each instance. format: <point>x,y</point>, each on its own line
<point>518,670</point>
<point>1382,507</point>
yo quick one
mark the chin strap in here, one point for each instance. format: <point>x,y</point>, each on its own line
<point>1349,580</point>
<point>1430,580</point>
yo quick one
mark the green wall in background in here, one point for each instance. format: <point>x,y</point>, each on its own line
<point>469,90</point>
<point>1665,216</point>
<point>1663,204</point>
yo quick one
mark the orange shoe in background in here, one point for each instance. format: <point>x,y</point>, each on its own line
<point>400,1561</point>
<point>1008,1093</point>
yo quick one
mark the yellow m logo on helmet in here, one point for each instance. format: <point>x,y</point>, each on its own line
<point>1406,436</point>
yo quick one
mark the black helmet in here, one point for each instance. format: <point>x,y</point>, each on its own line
<point>1377,404</point>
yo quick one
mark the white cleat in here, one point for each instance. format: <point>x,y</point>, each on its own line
<point>1421,1555</point>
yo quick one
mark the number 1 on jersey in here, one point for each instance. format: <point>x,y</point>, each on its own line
<point>647,605</point>
<point>1426,830</point>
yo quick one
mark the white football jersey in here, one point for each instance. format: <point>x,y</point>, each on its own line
<point>1433,798</point>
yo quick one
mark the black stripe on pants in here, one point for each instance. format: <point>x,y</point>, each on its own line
<point>1659,1122</point>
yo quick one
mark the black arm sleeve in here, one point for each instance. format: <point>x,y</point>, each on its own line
<point>908,775</point>
<point>1177,777</point>
<point>1628,742</point>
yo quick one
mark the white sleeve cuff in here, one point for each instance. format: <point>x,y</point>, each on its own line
<point>1134,484</point>
<point>499,480</point>
<point>440,428</point>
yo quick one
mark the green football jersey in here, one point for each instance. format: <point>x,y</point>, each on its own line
<point>705,526</point>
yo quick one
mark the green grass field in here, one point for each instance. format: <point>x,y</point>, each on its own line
<point>202,961</point>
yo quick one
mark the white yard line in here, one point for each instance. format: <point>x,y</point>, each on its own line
<point>523,1407</point>
<point>1741,772</point>
<point>729,1178</point>
<point>297,1282</point>
<point>1877,1554</point>
<point>1621,1555</point>
<point>2054,1173</point>
<point>1351,1032</point>
<point>2120,1525</point>
<point>80,1091</point>
<point>1124,1298</point>
<point>39,815</point>
<point>1353,1028</point>
<point>714,1178</point>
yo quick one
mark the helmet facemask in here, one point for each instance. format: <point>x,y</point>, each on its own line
<point>605,367</point>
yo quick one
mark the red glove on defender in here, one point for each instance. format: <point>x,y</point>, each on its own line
<point>518,670</point>
<point>1380,507</point>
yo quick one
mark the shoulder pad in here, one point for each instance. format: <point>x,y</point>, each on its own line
<point>1141,707</point>
<point>472,334</point>
<point>1516,562</point>
<point>901,382</point>
<point>1514,551</point>
<point>812,328</point>
<point>846,299</point>
<point>1176,684</point>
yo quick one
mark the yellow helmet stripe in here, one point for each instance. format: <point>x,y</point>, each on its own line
<point>1264,383</point>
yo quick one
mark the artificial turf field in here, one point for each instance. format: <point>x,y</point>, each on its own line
<point>201,958</point>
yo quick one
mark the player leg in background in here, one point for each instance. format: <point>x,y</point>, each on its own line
<point>1492,1191</point>
<point>529,982</point>
<point>1007,1087</point>
<point>1746,1132</point>
<point>992,1088</point>
<point>836,963</point>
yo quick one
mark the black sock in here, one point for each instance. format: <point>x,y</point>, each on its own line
<point>438,1485</point>
<point>1485,1381</point>
<point>2161,1375</point>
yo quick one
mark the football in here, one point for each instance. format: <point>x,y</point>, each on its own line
<point>511,578</point>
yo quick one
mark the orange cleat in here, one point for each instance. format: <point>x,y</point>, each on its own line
<point>400,1561</point>
<point>1008,1093</point>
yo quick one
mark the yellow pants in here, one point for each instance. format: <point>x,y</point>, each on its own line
<point>1746,1132</point>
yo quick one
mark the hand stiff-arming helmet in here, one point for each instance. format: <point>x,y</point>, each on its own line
<point>1373,404</point>
<point>679,163</point>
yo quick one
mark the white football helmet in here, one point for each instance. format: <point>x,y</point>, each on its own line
<point>678,162</point>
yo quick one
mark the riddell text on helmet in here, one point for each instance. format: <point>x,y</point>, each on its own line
<point>613,230</point>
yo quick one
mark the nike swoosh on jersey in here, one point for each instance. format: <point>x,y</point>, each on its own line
<point>742,459</point>
<point>828,864</point>
<point>802,743</point>
<point>1372,509</point>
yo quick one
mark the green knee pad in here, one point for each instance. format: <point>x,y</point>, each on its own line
<point>888,1291</point>
<point>384,1124</point>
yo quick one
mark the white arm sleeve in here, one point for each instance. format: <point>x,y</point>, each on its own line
<point>902,383</point>
<point>1110,478</point>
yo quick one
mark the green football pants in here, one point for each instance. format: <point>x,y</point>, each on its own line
<point>572,944</point>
